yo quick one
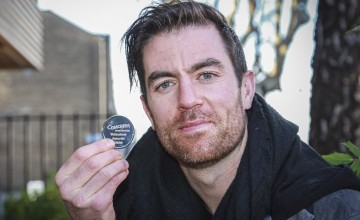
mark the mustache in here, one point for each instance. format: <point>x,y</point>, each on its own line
<point>192,115</point>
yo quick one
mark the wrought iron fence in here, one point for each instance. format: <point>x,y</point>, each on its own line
<point>31,146</point>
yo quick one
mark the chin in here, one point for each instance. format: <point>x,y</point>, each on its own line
<point>198,154</point>
<point>196,161</point>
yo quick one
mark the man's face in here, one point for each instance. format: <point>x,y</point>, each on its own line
<point>194,100</point>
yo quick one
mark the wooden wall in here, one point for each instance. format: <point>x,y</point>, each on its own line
<point>21,35</point>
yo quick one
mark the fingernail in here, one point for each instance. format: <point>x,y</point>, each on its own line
<point>109,143</point>
<point>119,154</point>
<point>126,164</point>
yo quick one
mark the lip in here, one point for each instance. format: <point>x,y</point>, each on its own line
<point>193,126</point>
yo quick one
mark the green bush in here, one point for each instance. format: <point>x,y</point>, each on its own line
<point>47,205</point>
<point>352,158</point>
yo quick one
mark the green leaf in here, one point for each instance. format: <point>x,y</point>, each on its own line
<point>355,166</point>
<point>355,29</point>
<point>354,149</point>
<point>338,158</point>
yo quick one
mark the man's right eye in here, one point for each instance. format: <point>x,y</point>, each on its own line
<point>164,85</point>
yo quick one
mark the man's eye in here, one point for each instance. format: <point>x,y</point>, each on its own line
<point>206,76</point>
<point>164,85</point>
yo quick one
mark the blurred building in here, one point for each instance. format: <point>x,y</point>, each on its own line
<point>49,69</point>
<point>48,65</point>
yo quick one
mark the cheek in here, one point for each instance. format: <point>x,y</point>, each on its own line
<point>224,96</point>
<point>162,111</point>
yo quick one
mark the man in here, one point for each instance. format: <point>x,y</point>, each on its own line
<point>216,150</point>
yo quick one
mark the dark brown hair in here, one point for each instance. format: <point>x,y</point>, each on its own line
<point>171,16</point>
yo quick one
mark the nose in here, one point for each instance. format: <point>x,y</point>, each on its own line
<point>188,95</point>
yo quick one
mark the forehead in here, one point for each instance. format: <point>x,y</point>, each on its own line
<point>182,47</point>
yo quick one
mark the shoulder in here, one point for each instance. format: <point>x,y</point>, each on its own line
<point>342,204</point>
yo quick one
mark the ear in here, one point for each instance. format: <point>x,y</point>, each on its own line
<point>147,111</point>
<point>248,89</point>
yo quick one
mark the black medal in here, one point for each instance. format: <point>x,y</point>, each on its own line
<point>121,131</point>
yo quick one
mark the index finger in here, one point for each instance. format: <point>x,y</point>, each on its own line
<point>82,154</point>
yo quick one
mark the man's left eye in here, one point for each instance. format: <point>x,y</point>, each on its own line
<point>207,75</point>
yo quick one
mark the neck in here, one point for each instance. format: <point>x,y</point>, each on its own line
<point>211,183</point>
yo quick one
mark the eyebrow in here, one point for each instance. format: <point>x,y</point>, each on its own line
<point>204,63</point>
<point>157,75</point>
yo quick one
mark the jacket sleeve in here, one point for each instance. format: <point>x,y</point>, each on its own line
<point>342,204</point>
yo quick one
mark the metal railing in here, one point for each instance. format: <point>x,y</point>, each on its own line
<point>31,146</point>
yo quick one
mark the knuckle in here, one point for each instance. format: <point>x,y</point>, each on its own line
<point>101,201</point>
<point>112,155</point>
<point>64,193</point>
<point>98,205</point>
<point>79,201</point>
<point>80,154</point>
<point>92,164</point>
<point>104,174</point>
<point>116,180</point>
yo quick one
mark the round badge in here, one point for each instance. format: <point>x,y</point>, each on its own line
<point>120,130</point>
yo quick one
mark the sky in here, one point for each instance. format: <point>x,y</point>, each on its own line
<point>113,17</point>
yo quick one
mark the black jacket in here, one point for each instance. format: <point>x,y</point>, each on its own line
<point>278,176</point>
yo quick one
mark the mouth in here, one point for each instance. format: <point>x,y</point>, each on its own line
<point>195,126</point>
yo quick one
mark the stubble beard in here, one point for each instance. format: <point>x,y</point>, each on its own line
<point>205,148</point>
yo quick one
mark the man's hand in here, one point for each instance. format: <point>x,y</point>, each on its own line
<point>88,179</point>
